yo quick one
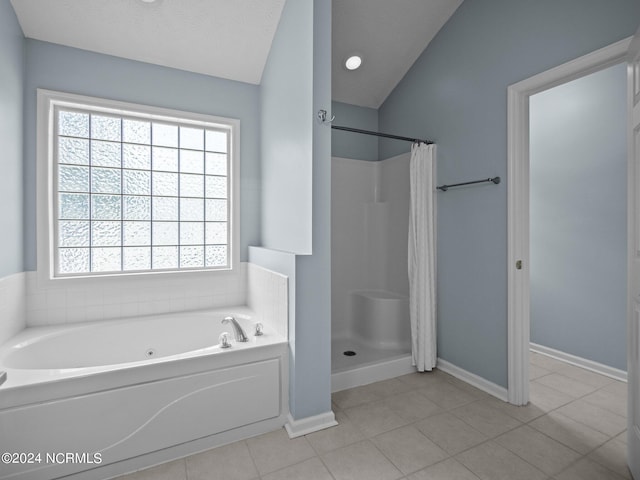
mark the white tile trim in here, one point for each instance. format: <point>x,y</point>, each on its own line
<point>473,379</point>
<point>596,367</point>
<point>304,426</point>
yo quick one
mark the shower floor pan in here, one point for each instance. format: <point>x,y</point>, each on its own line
<point>368,365</point>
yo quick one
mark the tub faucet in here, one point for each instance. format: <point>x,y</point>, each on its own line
<point>237,329</point>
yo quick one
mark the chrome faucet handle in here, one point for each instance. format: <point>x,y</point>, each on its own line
<point>259,328</point>
<point>224,340</point>
<point>237,329</point>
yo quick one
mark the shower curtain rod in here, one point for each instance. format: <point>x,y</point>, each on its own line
<point>379,134</point>
<point>444,188</point>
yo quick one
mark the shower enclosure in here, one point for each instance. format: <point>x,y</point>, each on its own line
<point>371,332</point>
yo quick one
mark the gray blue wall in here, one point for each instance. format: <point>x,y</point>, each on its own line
<point>71,70</point>
<point>456,95</point>
<point>578,193</point>
<point>286,94</point>
<point>11,139</point>
<point>296,192</point>
<point>354,145</point>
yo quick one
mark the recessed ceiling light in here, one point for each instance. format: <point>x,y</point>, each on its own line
<point>353,62</point>
<point>148,1</point>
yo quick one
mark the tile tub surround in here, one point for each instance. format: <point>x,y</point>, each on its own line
<point>452,431</point>
<point>155,294</point>
<point>12,305</point>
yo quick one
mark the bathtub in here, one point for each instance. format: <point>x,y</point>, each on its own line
<point>99,399</point>
<point>380,319</point>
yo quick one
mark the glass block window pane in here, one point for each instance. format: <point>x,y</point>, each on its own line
<point>165,135</point>
<point>73,151</point>
<point>216,141</point>
<point>136,258</point>
<point>106,207</point>
<point>134,194</point>
<point>136,156</point>
<point>106,128</point>
<point>136,131</point>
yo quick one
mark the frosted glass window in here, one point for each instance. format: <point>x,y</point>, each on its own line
<point>136,131</point>
<point>134,194</point>
<point>106,128</point>
<point>165,135</point>
<point>73,151</point>
<point>136,156</point>
<point>106,207</point>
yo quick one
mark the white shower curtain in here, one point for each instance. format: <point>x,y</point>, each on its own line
<point>422,290</point>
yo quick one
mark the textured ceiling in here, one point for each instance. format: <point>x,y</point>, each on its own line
<point>224,38</point>
<point>389,35</point>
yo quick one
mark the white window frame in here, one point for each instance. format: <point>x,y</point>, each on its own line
<point>47,102</point>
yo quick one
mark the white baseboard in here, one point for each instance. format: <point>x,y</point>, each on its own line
<point>579,362</point>
<point>304,426</point>
<point>473,379</point>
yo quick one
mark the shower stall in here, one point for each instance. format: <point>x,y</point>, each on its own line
<point>371,332</point>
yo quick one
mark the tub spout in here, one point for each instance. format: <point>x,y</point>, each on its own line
<point>237,329</point>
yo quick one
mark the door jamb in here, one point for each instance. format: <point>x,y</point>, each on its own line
<point>518,300</point>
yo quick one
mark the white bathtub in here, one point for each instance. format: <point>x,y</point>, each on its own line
<point>135,391</point>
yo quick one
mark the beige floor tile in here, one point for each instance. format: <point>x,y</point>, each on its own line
<point>486,419</point>
<point>585,376</point>
<point>232,462</point>
<point>622,437</point>
<point>412,406</point>
<point>586,469</point>
<point>355,396</point>
<point>408,449</point>
<point>448,396</point>
<point>536,372</point>
<point>448,470</point>
<point>619,388</point>
<point>546,362</point>
<point>539,450</point>
<point>490,461</point>
<point>374,418</point>
<point>566,385</point>
<point>360,461</point>
<point>595,417</point>
<point>275,450</point>
<point>386,388</point>
<point>524,413</point>
<point>613,455</point>
<point>450,433</point>
<point>312,469</point>
<point>546,398</point>
<point>569,432</point>
<point>613,402</point>
<point>473,391</point>
<point>422,379</point>
<point>345,433</point>
<point>167,471</point>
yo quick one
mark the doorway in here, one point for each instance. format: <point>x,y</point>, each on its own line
<point>519,204</point>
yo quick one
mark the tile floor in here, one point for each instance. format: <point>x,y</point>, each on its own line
<point>432,426</point>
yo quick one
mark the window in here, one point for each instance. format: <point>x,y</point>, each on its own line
<point>135,189</point>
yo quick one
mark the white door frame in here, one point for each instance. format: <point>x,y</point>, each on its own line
<point>518,307</point>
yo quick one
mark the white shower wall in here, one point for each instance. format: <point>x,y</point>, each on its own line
<point>370,219</point>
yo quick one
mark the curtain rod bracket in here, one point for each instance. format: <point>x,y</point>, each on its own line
<point>322,116</point>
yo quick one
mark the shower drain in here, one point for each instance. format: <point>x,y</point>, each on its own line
<point>349,353</point>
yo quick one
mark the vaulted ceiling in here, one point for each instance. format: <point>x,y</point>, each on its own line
<point>231,38</point>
